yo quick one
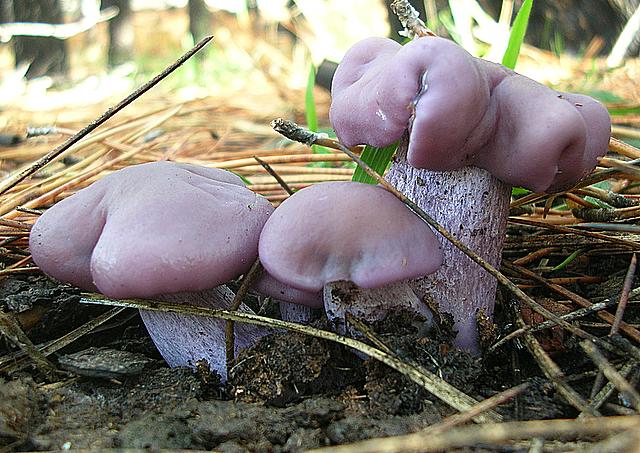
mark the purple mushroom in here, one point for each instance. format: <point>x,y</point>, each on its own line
<point>332,236</point>
<point>295,304</point>
<point>475,128</point>
<point>162,230</point>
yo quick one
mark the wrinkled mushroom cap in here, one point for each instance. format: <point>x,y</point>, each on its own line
<point>462,111</point>
<point>346,231</point>
<point>152,229</point>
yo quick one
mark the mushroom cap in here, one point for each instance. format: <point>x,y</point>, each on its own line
<point>152,229</point>
<point>461,111</point>
<point>272,287</point>
<point>346,231</point>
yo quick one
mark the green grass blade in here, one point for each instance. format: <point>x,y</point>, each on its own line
<point>310,105</point>
<point>310,102</point>
<point>568,260</point>
<point>621,111</point>
<point>519,191</point>
<point>516,37</point>
<point>378,159</point>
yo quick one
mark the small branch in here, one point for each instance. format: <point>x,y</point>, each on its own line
<point>489,435</point>
<point>612,374</point>
<point>275,175</point>
<point>483,406</point>
<point>247,281</point>
<point>577,314</point>
<point>630,331</point>
<point>615,326</point>
<point>568,230</point>
<point>11,330</point>
<point>10,363</point>
<point>604,394</point>
<point>551,369</point>
<point>414,27</point>
<point>13,180</point>
<point>624,296</point>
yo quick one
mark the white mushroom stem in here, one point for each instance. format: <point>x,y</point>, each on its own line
<point>183,340</point>
<point>369,305</point>
<point>472,205</point>
<point>295,312</point>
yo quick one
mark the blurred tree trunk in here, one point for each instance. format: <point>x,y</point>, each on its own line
<point>6,11</point>
<point>121,33</point>
<point>48,56</point>
<point>199,22</point>
<point>571,24</point>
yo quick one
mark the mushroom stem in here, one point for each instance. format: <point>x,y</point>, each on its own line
<point>368,304</point>
<point>183,340</point>
<point>473,205</point>
<point>294,312</point>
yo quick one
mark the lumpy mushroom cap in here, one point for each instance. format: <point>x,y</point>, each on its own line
<point>461,111</point>
<point>346,231</point>
<point>152,229</point>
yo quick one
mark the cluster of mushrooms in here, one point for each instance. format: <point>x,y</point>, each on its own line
<point>179,232</point>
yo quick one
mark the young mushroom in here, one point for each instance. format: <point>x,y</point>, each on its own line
<point>168,231</point>
<point>332,236</point>
<point>474,129</point>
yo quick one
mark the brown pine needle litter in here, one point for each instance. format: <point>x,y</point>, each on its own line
<point>572,249</point>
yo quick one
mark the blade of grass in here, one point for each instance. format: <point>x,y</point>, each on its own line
<point>376,158</point>
<point>516,37</point>
<point>310,103</point>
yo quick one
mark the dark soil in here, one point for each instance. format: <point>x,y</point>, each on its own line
<point>290,392</point>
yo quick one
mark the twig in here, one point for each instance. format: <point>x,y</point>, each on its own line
<point>429,381</point>
<point>606,316</point>
<point>621,166</point>
<point>626,441</point>
<point>563,229</point>
<point>577,314</point>
<point>498,434</point>
<point>414,27</point>
<point>29,210</point>
<point>13,180</point>
<point>612,374</point>
<point>550,368</point>
<point>276,176</point>
<point>622,305</point>
<point>10,363</point>
<point>533,256</point>
<point>624,296</point>
<point>464,417</point>
<point>15,224</point>
<point>623,148</point>
<point>247,281</point>
<point>280,159</point>
<point>604,394</point>
<point>10,329</point>
<point>369,334</point>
